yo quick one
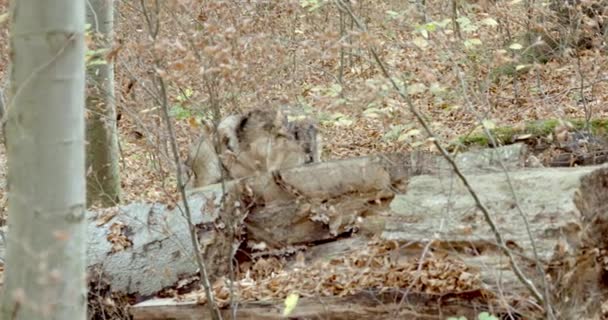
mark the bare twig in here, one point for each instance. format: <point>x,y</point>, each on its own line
<point>586,107</point>
<point>520,211</point>
<point>342,32</point>
<point>204,277</point>
<point>454,18</point>
<point>212,88</point>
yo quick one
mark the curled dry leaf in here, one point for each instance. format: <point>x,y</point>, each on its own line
<point>106,215</point>
<point>117,237</point>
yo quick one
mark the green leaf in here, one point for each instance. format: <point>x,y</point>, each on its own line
<point>395,132</point>
<point>392,14</point>
<point>408,134</point>
<point>516,46</point>
<point>180,112</point>
<point>344,122</point>
<point>490,22</point>
<point>436,88</point>
<point>466,25</point>
<point>312,5</point>
<point>424,33</point>
<point>444,23</point>
<point>470,28</point>
<point>486,316</point>
<point>97,52</point>
<point>463,21</point>
<point>335,90</point>
<point>420,42</point>
<point>4,17</point>
<point>451,107</point>
<point>290,303</point>
<point>469,43</point>
<point>296,118</point>
<point>416,88</point>
<point>372,112</point>
<point>488,124</point>
<point>305,3</point>
<point>432,26</point>
<point>338,119</point>
<point>96,62</point>
<point>185,95</point>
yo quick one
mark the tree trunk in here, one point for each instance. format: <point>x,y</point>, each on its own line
<point>45,270</point>
<point>103,181</point>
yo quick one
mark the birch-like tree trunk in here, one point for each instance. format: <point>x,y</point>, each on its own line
<point>45,268</point>
<point>103,180</point>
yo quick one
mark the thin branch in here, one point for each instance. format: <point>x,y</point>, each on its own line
<point>204,277</point>
<point>214,103</point>
<point>520,211</point>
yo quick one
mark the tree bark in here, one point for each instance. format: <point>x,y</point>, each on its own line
<point>103,180</point>
<point>45,270</point>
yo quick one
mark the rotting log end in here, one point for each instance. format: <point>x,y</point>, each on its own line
<point>592,201</point>
<point>581,281</point>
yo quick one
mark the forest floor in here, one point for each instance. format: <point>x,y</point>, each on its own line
<point>285,53</point>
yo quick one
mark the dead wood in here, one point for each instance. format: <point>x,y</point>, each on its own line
<point>438,210</point>
<point>322,200</point>
<point>142,248</point>
<point>570,159</point>
<point>579,276</point>
<point>437,216</point>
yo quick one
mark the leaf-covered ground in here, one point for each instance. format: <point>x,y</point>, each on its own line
<point>217,55</point>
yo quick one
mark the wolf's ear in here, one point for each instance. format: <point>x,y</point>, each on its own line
<point>280,123</point>
<point>208,127</point>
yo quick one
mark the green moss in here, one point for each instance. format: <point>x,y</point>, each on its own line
<point>542,128</point>
<point>476,139</point>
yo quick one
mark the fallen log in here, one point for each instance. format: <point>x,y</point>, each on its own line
<point>158,252</point>
<point>439,207</point>
<point>436,217</point>
<point>534,210</point>
<point>316,203</point>
<point>141,248</point>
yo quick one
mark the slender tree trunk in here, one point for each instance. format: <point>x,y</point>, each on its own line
<point>103,181</point>
<point>45,269</point>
